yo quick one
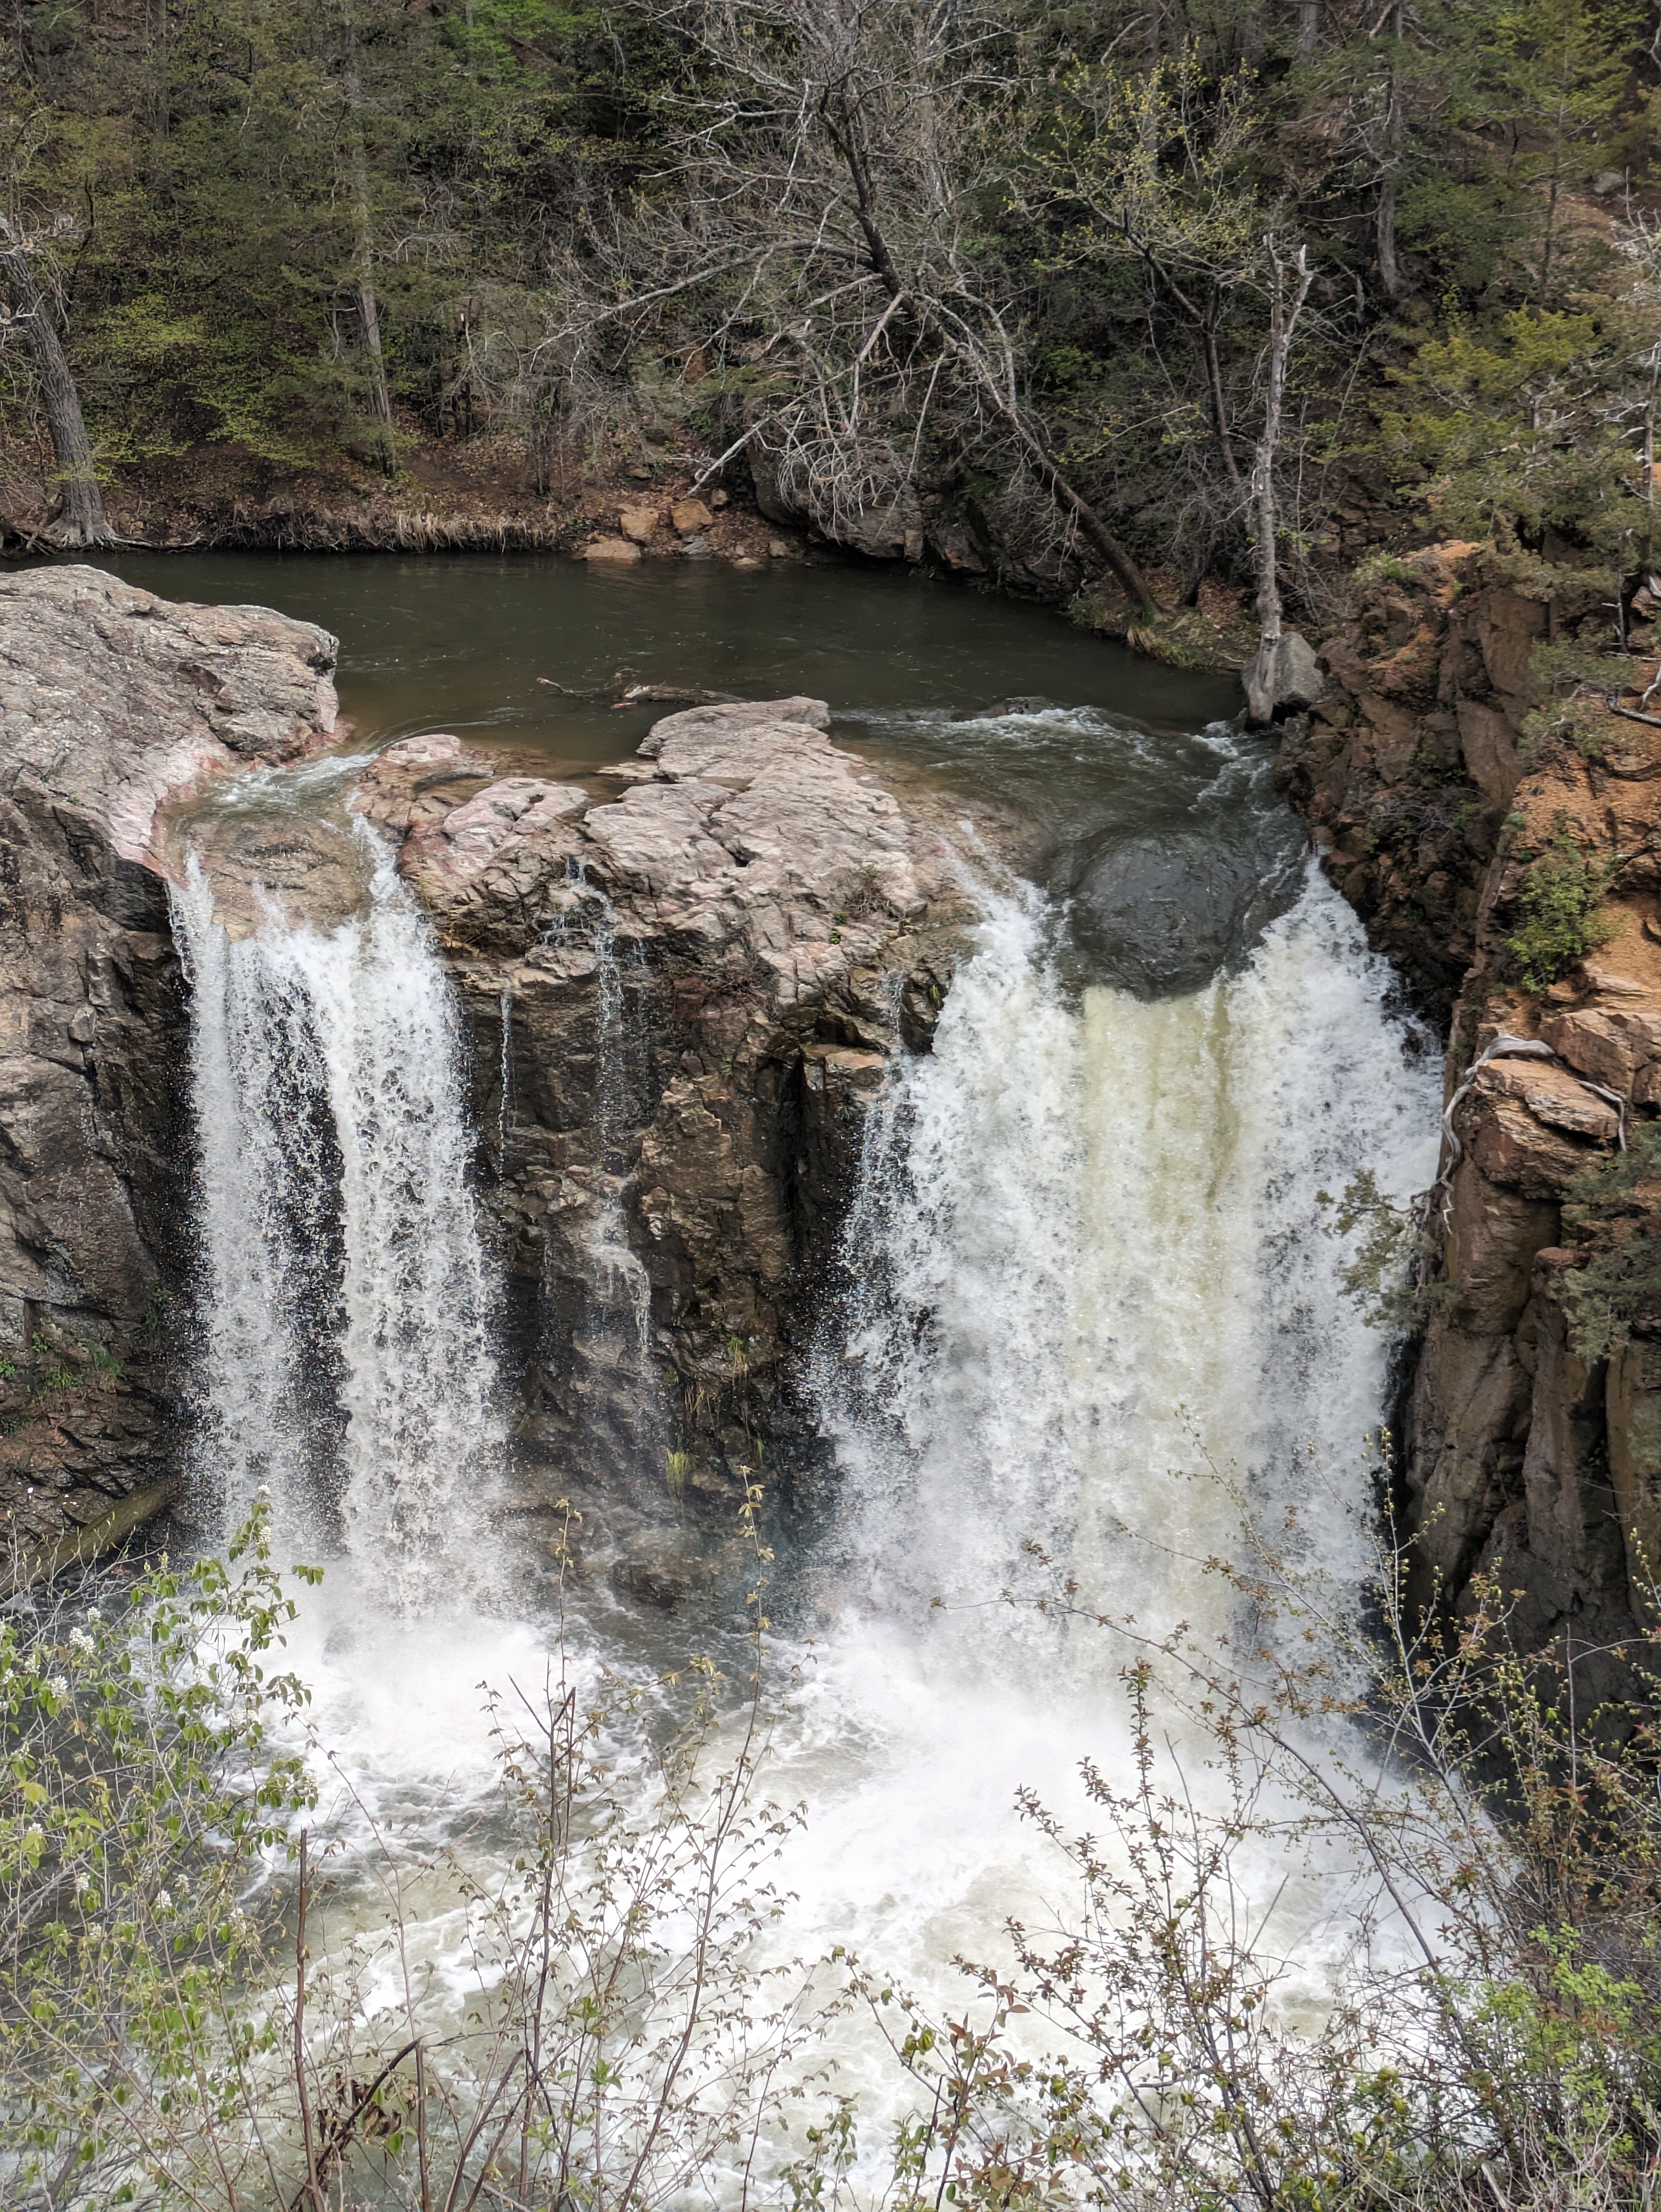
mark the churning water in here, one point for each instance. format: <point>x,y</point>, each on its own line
<point>345,1315</point>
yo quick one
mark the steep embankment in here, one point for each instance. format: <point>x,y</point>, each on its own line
<point>1513,877</point>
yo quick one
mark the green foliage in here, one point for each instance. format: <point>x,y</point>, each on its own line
<point>1581,678</point>
<point>524,186</point>
<point>1558,898</point>
<point>139,1784</point>
<point>1616,1208</point>
<point>1385,1273</point>
<point>1518,425</point>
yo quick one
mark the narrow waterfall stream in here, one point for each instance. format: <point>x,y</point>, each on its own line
<point>1087,1304</point>
<point>346,1358</point>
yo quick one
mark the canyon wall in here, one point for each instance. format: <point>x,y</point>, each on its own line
<point>1431,796</point>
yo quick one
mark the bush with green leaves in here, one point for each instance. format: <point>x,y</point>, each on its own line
<point>1613,1209</point>
<point>1559,897</point>
<point>629,2040</point>
<point>141,1777</point>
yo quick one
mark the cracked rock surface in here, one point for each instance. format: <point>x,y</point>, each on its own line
<point>695,977</point>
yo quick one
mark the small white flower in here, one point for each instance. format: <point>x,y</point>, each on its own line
<point>58,1684</point>
<point>83,1883</point>
<point>163,1901</point>
<point>93,1613</point>
<point>81,1640</point>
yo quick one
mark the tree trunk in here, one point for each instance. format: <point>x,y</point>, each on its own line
<point>1309,25</point>
<point>1390,274</point>
<point>1286,303</point>
<point>368,308</point>
<point>1213,370</point>
<point>82,520</point>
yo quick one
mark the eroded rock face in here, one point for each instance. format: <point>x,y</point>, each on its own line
<point>1407,763</point>
<point>683,990</point>
<point>1524,1460</point>
<point>112,702</point>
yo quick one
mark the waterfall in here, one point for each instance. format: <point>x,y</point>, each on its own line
<point>1089,1266</point>
<point>345,1358</point>
<point>1088,1304</point>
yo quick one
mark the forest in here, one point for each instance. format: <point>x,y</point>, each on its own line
<point>1142,306</point>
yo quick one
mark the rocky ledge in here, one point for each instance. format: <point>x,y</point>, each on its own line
<point>685,986</point>
<point>111,702</point>
<point>681,980</point>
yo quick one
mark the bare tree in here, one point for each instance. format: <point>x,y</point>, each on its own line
<point>1289,279</point>
<point>362,273</point>
<point>81,520</point>
<point>835,161</point>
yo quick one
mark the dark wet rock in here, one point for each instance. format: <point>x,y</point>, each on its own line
<point>1159,913</point>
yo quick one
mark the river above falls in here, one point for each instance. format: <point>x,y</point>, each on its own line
<point>1166,848</point>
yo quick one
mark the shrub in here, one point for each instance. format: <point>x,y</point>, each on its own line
<point>1616,1207</point>
<point>138,1784</point>
<point>1560,898</point>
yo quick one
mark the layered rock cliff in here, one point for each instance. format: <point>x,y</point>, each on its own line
<point>1511,869</point>
<point>111,703</point>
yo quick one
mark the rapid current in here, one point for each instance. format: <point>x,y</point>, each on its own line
<point>1089,1305</point>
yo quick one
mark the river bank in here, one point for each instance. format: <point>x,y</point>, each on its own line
<point>482,496</point>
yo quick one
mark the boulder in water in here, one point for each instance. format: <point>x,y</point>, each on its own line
<point>1281,676</point>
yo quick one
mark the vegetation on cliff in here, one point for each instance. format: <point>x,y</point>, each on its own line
<point>1151,294</point>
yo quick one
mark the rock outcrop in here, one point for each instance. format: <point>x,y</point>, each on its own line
<point>683,991</point>
<point>1433,795</point>
<point>112,702</point>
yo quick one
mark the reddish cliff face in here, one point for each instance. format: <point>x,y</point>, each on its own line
<point>1529,1450</point>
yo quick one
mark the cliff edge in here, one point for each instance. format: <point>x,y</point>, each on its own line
<point>1505,853</point>
<point>112,703</point>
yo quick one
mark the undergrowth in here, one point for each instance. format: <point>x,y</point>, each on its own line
<point>1488,2031</point>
